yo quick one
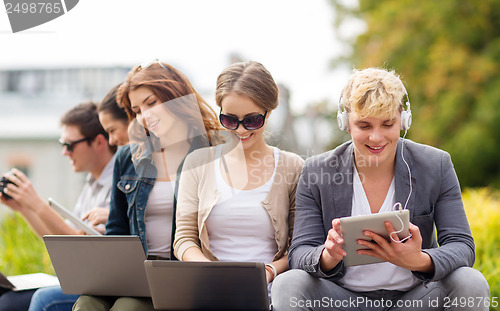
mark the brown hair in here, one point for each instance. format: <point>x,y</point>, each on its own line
<point>250,79</point>
<point>109,105</point>
<point>85,118</point>
<point>167,83</point>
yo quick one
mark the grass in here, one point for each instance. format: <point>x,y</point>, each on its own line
<point>22,251</point>
<point>483,211</point>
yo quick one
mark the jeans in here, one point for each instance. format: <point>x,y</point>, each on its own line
<point>52,299</point>
<point>463,289</point>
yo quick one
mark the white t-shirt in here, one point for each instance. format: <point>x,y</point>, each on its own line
<point>375,276</point>
<point>158,218</point>
<point>239,228</point>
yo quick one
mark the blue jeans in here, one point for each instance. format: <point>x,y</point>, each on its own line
<point>463,289</point>
<point>52,299</point>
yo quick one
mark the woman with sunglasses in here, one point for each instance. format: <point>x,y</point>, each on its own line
<point>237,200</point>
<point>171,121</point>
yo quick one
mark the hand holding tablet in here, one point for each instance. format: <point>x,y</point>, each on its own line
<point>354,226</point>
<point>75,220</point>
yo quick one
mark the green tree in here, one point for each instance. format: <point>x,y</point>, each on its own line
<point>448,55</point>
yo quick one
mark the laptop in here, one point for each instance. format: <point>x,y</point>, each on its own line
<point>75,220</point>
<point>178,285</point>
<point>27,281</point>
<point>99,265</point>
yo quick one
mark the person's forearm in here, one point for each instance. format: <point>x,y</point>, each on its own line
<point>53,222</point>
<point>35,222</point>
<point>281,264</point>
<point>425,264</point>
<point>326,262</point>
<point>194,254</point>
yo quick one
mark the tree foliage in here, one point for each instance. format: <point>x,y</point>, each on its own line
<point>448,55</point>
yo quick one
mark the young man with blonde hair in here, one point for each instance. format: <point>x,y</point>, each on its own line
<point>371,174</point>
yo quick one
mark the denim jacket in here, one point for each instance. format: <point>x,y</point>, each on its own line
<point>130,196</point>
<point>134,182</point>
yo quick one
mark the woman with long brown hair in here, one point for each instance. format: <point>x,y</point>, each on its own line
<point>171,120</point>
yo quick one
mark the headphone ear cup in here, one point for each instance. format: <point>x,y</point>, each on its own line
<point>405,120</point>
<point>343,121</point>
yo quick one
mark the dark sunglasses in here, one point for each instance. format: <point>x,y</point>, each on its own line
<point>71,145</point>
<point>250,123</point>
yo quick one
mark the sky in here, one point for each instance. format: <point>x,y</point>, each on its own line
<point>293,39</point>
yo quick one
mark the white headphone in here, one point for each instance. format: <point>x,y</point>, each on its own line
<point>343,116</point>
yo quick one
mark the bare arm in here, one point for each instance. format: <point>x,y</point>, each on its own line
<point>40,216</point>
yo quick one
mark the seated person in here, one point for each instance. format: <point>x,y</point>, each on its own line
<point>85,143</point>
<point>237,200</point>
<point>367,175</point>
<point>169,119</point>
<point>114,121</point>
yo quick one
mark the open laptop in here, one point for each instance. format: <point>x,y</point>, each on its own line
<point>75,220</point>
<point>27,281</point>
<point>177,285</point>
<point>99,265</point>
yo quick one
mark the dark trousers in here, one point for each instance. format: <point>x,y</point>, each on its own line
<point>16,301</point>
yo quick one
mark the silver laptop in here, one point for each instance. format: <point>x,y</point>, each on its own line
<point>177,285</point>
<point>99,265</point>
<point>27,281</point>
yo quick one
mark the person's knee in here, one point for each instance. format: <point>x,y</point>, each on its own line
<point>467,282</point>
<point>42,296</point>
<point>292,282</point>
<point>132,304</point>
<point>91,303</point>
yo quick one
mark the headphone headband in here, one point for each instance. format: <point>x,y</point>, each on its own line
<point>343,116</point>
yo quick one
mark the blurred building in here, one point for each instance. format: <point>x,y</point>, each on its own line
<point>31,104</point>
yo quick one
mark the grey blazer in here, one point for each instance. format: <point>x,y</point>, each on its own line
<point>324,192</point>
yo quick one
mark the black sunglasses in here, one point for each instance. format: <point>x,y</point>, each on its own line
<point>250,123</point>
<point>71,145</point>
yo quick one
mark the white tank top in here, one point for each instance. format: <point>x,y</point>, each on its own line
<point>239,228</point>
<point>158,218</point>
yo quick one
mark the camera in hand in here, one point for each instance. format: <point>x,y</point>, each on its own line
<point>3,183</point>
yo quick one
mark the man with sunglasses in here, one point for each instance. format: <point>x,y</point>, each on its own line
<point>85,143</point>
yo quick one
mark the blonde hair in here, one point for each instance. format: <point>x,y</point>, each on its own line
<point>373,92</point>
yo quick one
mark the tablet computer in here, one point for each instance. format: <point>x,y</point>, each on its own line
<point>75,220</point>
<point>352,230</point>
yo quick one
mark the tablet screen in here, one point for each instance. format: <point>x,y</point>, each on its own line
<point>353,227</point>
